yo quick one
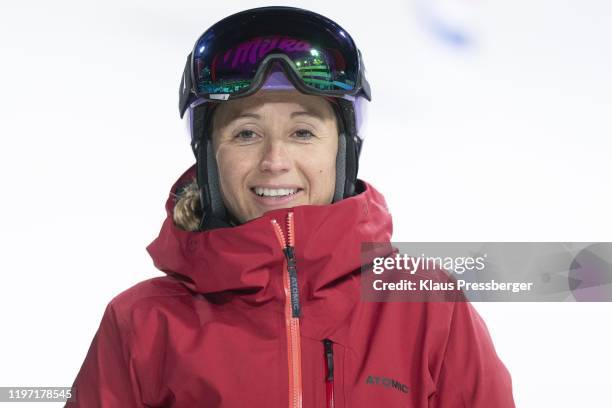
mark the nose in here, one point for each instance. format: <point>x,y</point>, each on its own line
<point>275,158</point>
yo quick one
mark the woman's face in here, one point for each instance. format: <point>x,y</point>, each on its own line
<point>275,149</point>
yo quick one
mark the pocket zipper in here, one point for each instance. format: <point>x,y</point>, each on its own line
<point>329,372</point>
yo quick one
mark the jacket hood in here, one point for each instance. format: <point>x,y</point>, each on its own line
<point>247,260</point>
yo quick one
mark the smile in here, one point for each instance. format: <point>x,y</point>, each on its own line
<point>275,197</point>
<point>274,192</point>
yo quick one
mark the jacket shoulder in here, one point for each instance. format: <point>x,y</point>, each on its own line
<point>149,293</point>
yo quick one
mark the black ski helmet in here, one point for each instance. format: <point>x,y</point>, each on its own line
<point>272,48</point>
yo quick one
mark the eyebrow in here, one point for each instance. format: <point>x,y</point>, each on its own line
<point>313,114</point>
<point>306,113</point>
<point>245,115</point>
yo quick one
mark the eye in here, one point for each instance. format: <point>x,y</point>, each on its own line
<point>246,136</point>
<point>304,134</point>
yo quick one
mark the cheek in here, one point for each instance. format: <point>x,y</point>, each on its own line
<point>328,162</point>
<point>322,176</point>
<point>233,168</point>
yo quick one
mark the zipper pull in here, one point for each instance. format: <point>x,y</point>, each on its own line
<point>329,380</point>
<point>293,281</point>
<point>288,247</point>
<point>292,267</point>
<point>329,355</point>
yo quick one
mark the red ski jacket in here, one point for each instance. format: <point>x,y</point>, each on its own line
<point>269,314</point>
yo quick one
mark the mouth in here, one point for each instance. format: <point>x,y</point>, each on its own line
<point>274,192</point>
<point>275,196</point>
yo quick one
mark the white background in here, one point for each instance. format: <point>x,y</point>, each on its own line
<point>502,137</point>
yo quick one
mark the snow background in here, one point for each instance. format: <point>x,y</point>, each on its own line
<point>490,121</point>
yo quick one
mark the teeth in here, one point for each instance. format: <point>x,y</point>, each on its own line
<point>274,192</point>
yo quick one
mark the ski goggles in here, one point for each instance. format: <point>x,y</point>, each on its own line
<point>234,56</point>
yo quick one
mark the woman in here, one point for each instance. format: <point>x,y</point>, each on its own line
<point>261,246</point>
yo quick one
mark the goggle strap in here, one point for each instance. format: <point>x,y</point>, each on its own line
<point>185,87</point>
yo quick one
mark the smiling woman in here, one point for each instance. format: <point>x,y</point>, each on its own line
<point>261,248</point>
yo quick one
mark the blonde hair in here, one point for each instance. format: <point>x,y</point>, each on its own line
<point>187,211</point>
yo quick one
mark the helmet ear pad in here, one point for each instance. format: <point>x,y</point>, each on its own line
<point>349,145</point>
<point>215,214</point>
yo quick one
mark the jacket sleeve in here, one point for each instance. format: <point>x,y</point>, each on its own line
<point>471,375</point>
<point>107,378</point>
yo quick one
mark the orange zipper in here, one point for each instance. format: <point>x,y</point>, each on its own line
<point>292,311</point>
